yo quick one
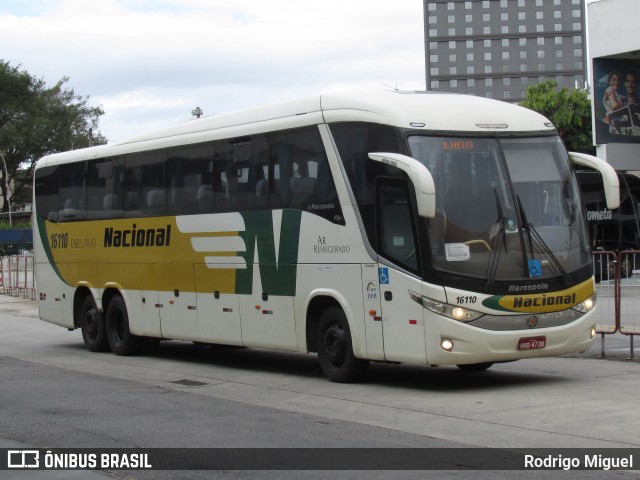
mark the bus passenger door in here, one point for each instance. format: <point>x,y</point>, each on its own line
<point>372,311</point>
<point>402,317</point>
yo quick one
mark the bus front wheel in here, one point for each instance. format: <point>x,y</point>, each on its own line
<point>121,340</point>
<point>93,326</point>
<point>335,350</point>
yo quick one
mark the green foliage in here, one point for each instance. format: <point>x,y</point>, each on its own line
<point>569,110</point>
<point>36,120</point>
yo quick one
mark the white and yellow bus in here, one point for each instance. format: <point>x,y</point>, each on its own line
<point>434,229</point>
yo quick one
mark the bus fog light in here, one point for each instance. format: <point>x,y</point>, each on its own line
<point>593,332</point>
<point>446,344</point>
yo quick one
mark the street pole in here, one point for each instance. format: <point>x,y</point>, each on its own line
<point>6,187</point>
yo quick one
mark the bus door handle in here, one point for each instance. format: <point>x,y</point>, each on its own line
<point>388,296</point>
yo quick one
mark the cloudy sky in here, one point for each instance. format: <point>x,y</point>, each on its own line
<point>150,62</point>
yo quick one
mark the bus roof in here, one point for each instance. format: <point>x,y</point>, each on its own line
<point>427,111</point>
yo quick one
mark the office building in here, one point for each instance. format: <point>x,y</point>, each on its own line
<point>498,48</point>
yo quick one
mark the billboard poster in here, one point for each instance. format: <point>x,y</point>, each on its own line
<point>616,100</point>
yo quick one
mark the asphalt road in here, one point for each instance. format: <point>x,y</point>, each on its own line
<point>55,394</point>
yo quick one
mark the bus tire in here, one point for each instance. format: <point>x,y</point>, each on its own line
<point>92,325</point>
<point>121,340</point>
<point>335,351</point>
<point>475,367</point>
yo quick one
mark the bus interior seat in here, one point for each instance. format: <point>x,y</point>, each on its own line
<point>266,198</point>
<point>301,190</point>
<point>204,197</point>
<point>156,201</point>
<point>110,202</point>
<point>69,212</point>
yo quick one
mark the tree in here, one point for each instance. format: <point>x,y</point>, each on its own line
<point>36,120</point>
<point>569,110</point>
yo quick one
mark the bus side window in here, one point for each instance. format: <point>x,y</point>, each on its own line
<point>46,190</point>
<point>396,229</point>
<point>71,192</point>
<point>104,189</point>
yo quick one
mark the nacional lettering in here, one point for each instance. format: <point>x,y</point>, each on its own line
<point>137,237</point>
<point>544,300</point>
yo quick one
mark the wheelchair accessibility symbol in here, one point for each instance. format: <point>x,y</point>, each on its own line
<point>383,274</point>
<point>535,268</point>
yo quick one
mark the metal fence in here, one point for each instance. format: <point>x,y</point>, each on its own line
<point>17,276</point>
<point>618,288</point>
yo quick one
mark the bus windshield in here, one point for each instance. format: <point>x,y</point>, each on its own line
<point>502,206</point>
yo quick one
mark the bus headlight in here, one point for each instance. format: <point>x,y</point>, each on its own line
<point>586,305</point>
<point>455,312</point>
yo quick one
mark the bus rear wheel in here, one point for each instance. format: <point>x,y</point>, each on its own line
<point>335,350</point>
<point>121,340</point>
<point>93,326</point>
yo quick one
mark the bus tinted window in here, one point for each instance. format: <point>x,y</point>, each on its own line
<point>287,169</point>
<point>355,141</point>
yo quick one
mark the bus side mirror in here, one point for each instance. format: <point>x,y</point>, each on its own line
<point>420,178</point>
<point>609,176</point>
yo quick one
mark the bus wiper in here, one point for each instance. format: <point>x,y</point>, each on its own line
<point>498,237</point>
<point>533,235</point>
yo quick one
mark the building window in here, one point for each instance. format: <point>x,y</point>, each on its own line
<point>505,55</point>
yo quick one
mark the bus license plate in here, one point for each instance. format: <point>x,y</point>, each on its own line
<point>530,343</point>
